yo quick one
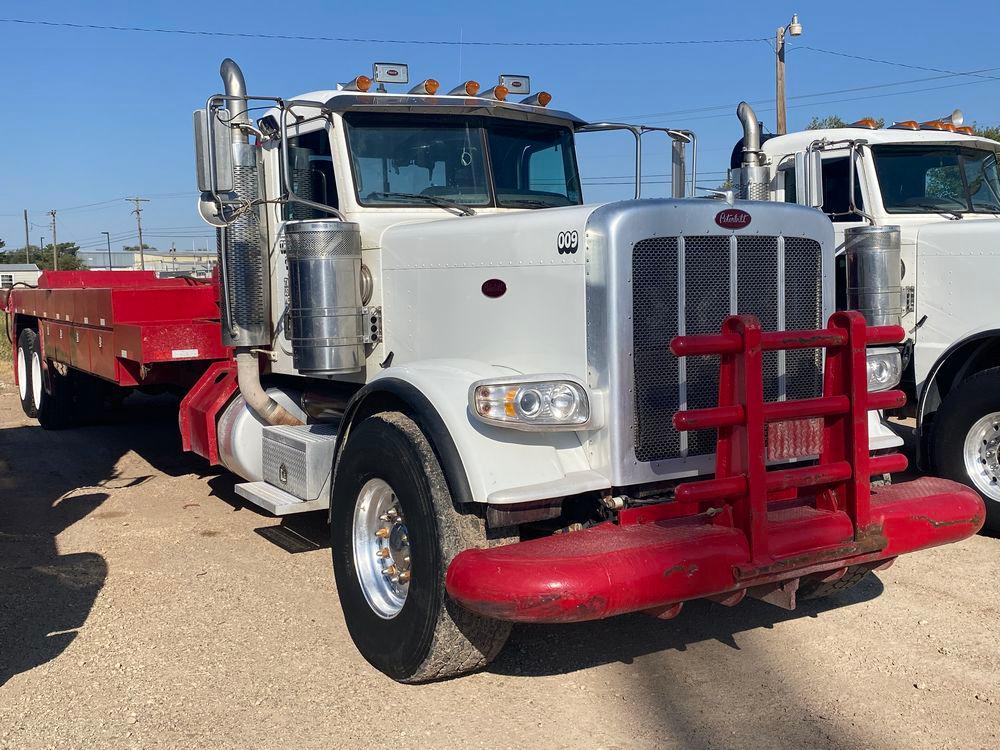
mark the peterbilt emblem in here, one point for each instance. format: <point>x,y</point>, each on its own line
<point>733,218</point>
<point>516,84</point>
<point>568,242</point>
<point>392,72</point>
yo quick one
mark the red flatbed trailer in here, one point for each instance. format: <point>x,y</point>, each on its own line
<point>129,328</point>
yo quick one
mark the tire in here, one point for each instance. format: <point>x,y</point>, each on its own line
<point>27,380</point>
<point>411,630</point>
<point>56,405</point>
<point>814,588</point>
<point>965,439</point>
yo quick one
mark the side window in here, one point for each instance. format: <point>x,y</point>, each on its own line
<point>311,164</point>
<point>546,170</point>
<point>836,190</point>
<point>790,195</point>
<point>6,280</point>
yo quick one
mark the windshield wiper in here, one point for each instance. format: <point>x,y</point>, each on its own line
<point>526,202</point>
<point>431,200</point>
<point>938,210</point>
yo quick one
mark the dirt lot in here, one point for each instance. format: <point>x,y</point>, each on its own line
<point>142,604</point>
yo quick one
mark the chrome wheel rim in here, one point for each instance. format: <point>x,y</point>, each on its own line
<point>381,548</point>
<point>982,455</point>
<point>22,374</point>
<point>36,379</point>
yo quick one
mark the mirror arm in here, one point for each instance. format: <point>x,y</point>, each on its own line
<point>286,167</point>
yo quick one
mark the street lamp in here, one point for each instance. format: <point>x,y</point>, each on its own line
<point>108,235</point>
<point>795,29</point>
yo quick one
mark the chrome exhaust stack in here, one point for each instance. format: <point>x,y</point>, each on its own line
<point>752,181</point>
<point>246,323</point>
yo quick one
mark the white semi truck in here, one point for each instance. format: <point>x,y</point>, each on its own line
<point>940,185</point>
<point>420,329</point>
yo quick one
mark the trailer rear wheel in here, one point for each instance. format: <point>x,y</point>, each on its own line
<point>56,404</point>
<point>965,438</point>
<point>394,531</point>
<point>28,379</point>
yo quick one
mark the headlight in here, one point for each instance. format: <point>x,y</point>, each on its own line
<point>885,368</point>
<point>552,402</point>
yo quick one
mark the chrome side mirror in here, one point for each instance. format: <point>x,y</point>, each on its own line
<point>213,154</point>
<point>809,178</point>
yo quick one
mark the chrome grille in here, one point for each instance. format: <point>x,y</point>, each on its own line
<point>717,275</point>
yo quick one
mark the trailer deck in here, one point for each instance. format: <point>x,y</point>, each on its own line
<point>127,327</point>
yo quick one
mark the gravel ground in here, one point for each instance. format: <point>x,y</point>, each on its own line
<point>142,604</point>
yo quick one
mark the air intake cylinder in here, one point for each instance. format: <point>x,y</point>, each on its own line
<point>324,285</point>
<point>874,274</point>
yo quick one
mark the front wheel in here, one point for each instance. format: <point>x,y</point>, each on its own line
<point>394,531</point>
<point>965,439</point>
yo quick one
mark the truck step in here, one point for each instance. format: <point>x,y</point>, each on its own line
<point>277,501</point>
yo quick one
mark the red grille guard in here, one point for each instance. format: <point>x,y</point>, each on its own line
<point>749,529</point>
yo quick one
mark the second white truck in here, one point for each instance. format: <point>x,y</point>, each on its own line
<point>938,183</point>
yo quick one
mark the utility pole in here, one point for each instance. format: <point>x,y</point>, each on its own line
<point>55,242</point>
<point>795,29</point>
<point>138,223</point>
<point>27,239</point>
<point>108,235</point>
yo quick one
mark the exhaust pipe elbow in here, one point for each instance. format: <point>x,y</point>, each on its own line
<point>236,86</point>
<point>751,135</point>
<point>265,407</point>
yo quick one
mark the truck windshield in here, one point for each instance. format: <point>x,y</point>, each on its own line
<point>949,179</point>
<point>467,160</point>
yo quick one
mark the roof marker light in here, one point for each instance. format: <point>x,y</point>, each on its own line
<point>541,99</point>
<point>428,86</point>
<point>469,88</point>
<point>498,92</point>
<point>905,125</point>
<point>864,122</point>
<point>966,130</point>
<point>361,83</point>
<point>937,125</point>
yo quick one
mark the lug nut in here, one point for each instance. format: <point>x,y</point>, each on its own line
<point>404,577</point>
<point>383,552</point>
<point>382,533</point>
<point>390,571</point>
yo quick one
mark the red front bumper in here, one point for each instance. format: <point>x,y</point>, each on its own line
<point>613,569</point>
<point>751,527</point>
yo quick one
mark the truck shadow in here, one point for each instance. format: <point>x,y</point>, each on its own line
<point>545,650</point>
<point>50,481</point>
<point>679,684</point>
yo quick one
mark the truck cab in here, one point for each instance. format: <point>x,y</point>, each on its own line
<point>938,183</point>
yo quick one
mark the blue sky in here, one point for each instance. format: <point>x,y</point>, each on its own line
<point>97,115</point>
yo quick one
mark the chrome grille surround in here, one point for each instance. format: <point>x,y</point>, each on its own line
<point>659,268</point>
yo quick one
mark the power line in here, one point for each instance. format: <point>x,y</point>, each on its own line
<point>360,40</point>
<point>695,110</point>
<point>910,66</point>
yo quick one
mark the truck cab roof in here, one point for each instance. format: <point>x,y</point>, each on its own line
<point>342,101</point>
<point>777,145</point>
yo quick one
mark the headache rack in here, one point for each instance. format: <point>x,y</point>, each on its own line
<point>750,529</point>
